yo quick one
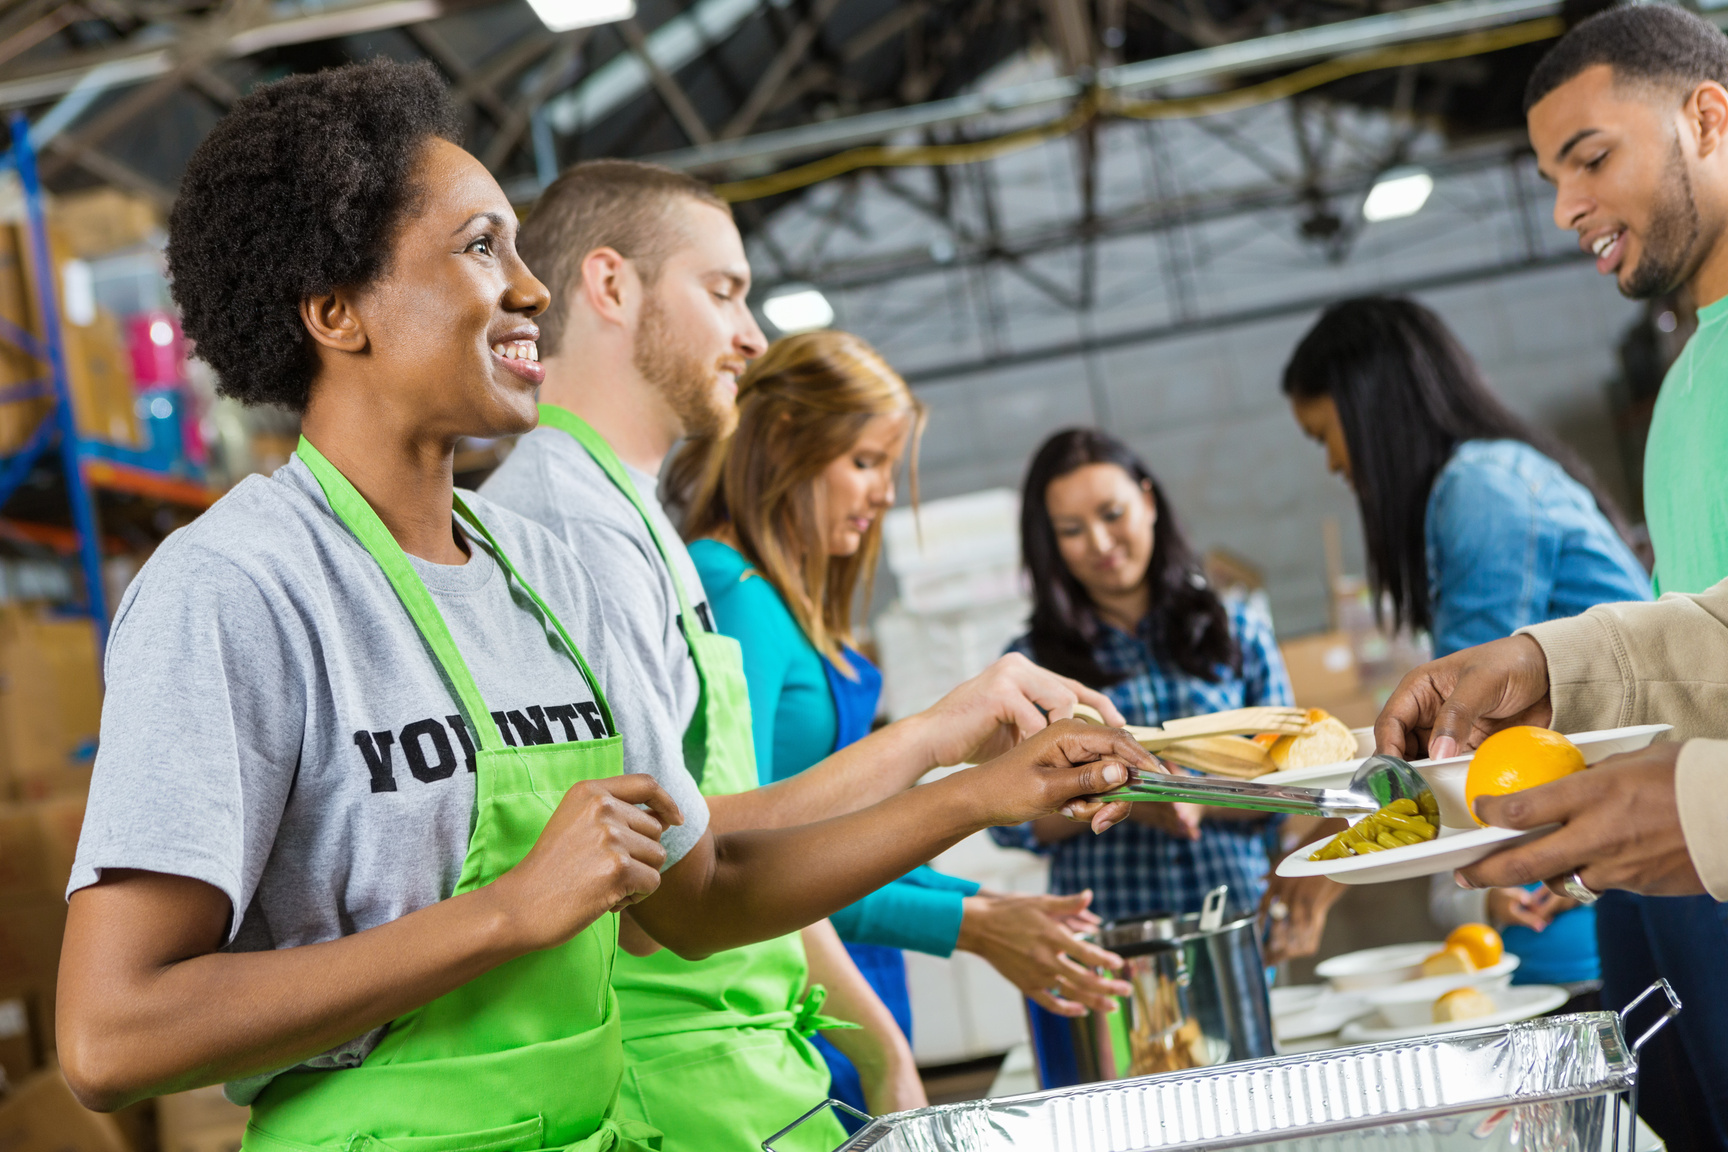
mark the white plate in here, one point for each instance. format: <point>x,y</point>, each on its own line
<point>1409,1002</point>
<point>1288,999</point>
<point>1329,1013</point>
<point>1373,967</point>
<point>1594,745</point>
<point>1452,849</point>
<point>1435,985</point>
<point>1519,1003</point>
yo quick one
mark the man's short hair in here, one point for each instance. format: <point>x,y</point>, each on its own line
<point>1653,43</point>
<point>624,205</point>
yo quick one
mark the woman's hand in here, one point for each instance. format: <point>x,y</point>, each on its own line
<point>1534,910</point>
<point>1060,769</point>
<point>1173,818</point>
<point>1032,941</point>
<point>599,853</point>
<point>1001,706</point>
<point>1295,909</point>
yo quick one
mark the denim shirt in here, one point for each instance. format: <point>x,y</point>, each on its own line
<point>1512,540</point>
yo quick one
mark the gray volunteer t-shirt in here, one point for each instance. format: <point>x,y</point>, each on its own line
<point>552,480</point>
<point>276,727</point>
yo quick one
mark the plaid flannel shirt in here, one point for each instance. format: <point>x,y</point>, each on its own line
<point>1133,869</point>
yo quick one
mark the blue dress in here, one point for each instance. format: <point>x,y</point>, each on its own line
<point>1512,540</point>
<point>802,709</point>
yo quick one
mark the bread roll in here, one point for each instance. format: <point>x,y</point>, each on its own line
<point>1325,741</point>
<point>1448,962</point>
<point>1463,1004</point>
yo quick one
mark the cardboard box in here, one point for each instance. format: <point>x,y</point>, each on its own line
<point>42,1115</point>
<point>200,1121</point>
<point>1323,669</point>
<point>50,702</point>
<point>101,220</point>
<point>98,365</point>
<point>30,931</point>
<point>18,418</point>
<point>99,376</point>
<point>18,1050</point>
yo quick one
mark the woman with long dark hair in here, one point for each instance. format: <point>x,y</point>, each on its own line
<point>1119,603</point>
<point>1476,525</point>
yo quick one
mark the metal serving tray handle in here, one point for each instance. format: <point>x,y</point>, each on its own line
<point>1246,794</point>
<point>1467,1090</point>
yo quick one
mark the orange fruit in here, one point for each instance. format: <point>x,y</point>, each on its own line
<point>1518,758</point>
<point>1481,942</point>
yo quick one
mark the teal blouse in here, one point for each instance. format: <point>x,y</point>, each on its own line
<point>792,713</point>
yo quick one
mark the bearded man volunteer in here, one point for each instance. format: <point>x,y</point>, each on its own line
<point>643,345</point>
<point>1628,115</point>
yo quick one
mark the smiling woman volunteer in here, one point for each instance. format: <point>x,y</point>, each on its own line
<point>787,514</point>
<point>1476,525</point>
<point>357,821</point>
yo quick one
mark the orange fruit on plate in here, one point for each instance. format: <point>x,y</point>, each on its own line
<point>1481,942</point>
<point>1518,758</point>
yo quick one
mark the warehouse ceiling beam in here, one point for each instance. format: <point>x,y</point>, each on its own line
<point>477,91</point>
<point>195,51</point>
<point>1068,24</point>
<point>552,76</point>
<point>671,46</point>
<point>1169,208</point>
<point>133,64</point>
<point>792,53</point>
<point>1264,53</point>
<point>677,101</point>
<point>1230,318</point>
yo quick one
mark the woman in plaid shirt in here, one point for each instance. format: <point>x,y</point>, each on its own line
<point>1120,604</point>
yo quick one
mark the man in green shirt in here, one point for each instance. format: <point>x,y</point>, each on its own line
<point>1629,118</point>
<point>1628,115</point>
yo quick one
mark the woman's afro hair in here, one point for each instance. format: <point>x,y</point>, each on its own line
<point>295,193</point>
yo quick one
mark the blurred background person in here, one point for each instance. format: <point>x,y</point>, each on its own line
<point>1475,525</point>
<point>784,519</point>
<point>1120,603</point>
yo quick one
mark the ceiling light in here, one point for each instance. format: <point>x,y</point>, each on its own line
<point>563,15</point>
<point>1398,192</point>
<point>798,308</point>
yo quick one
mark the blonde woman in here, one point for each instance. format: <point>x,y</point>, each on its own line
<point>785,519</point>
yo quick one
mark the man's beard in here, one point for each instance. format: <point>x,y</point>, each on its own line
<point>685,378</point>
<point>1668,259</point>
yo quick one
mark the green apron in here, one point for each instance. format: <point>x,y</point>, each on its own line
<point>528,1056</point>
<point>717,1051</point>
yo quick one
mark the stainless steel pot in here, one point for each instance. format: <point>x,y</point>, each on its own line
<point>1199,997</point>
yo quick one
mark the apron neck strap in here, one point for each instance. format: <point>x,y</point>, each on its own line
<point>546,613</point>
<point>603,454</point>
<point>351,508</point>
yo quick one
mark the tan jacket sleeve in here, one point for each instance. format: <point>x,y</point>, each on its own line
<point>1660,663</point>
<point>1641,663</point>
<point>1701,790</point>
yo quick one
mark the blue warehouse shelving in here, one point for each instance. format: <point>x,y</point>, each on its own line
<point>87,465</point>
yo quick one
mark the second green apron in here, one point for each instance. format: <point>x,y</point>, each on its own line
<point>717,1051</point>
<point>529,1056</point>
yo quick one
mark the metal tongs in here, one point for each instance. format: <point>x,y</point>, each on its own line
<point>1380,780</point>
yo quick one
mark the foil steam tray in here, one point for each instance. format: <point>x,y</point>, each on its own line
<point>1537,1086</point>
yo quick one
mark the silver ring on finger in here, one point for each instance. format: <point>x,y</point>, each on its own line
<point>1575,887</point>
